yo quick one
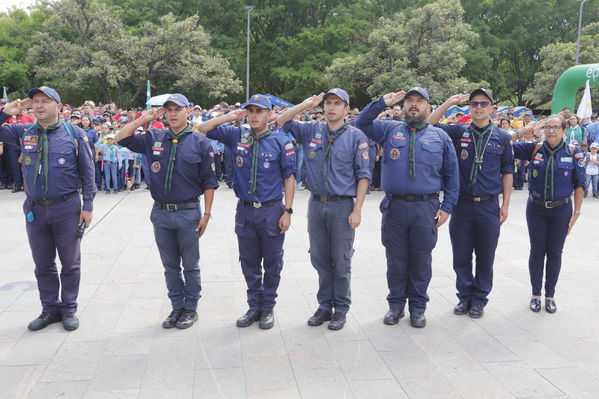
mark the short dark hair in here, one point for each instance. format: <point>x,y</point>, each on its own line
<point>562,120</point>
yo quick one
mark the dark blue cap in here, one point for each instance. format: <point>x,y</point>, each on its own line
<point>259,100</point>
<point>96,120</point>
<point>482,91</point>
<point>178,99</point>
<point>418,90</point>
<point>342,94</point>
<point>48,91</point>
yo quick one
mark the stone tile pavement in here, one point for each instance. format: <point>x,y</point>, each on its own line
<point>120,350</point>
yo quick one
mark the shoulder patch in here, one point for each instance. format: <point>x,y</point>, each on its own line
<point>289,146</point>
<point>363,146</point>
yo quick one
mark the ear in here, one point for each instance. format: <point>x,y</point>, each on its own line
<point>59,107</point>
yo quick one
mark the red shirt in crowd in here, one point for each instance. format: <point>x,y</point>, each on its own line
<point>20,119</point>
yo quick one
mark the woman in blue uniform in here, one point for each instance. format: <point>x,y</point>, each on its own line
<point>556,171</point>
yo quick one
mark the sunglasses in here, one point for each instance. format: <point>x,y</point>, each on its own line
<point>482,104</point>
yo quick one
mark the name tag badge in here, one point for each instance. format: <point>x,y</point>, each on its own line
<point>566,159</point>
<point>464,144</point>
<point>156,153</point>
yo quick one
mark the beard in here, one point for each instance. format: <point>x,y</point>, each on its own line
<point>414,120</point>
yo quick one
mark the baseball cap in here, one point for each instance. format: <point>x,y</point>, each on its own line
<point>342,94</point>
<point>528,113</point>
<point>482,91</point>
<point>259,100</point>
<point>123,119</point>
<point>178,99</point>
<point>48,91</point>
<point>198,107</point>
<point>110,136</point>
<point>418,90</point>
<point>595,145</point>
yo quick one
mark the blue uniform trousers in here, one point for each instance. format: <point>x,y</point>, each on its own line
<point>12,156</point>
<point>99,175</point>
<point>178,244</point>
<point>409,236</point>
<point>260,248</point>
<point>54,230</point>
<point>547,230</point>
<point>3,168</point>
<point>110,175</point>
<point>474,227</point>
<point>331,250</point>
<point>120,173</point>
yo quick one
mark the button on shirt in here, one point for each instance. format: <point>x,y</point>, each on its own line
<point>276,162</point>
<point>70,163</point>
<point>557,181</point>
<point>498,158</point>
<point>193,169</point>
<point>436,163</point>
<point>349,159</point>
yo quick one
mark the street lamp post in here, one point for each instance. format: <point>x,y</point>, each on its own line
<point>579,29</point>
<point>249,8</point>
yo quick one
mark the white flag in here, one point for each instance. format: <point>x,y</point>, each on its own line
<point>585,109</point>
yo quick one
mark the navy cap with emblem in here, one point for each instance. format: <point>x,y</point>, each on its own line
<point>48,91</point>
<point>259,101</point>
<point>482,91</point>
<point>178,99</point>
<point>418,90</point>
<point>342,94</point>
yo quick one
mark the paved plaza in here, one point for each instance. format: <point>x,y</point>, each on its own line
<point>121,351</point>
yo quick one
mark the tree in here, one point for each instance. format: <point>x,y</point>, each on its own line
<point>425,50</point>
<point>83,45</point>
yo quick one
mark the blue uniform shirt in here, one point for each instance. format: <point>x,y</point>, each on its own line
<point>92,137</point>
<point>498,158</point>
<point>275,164</point>
<point>349,158</point>
<point>436,163</point>
<point>70,161</point>
<point>568,171</point>
<point>593,133</point>
<point>193,170</point>
<point>110,153</point>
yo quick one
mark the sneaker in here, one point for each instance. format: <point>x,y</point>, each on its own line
<point>70,322</point>
<point>320,317</point>
<point>338,321</point>
<point>43,321</point>
<point>171,320</point>
<point>187,319</point>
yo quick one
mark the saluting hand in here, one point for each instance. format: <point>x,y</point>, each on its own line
<point>152,114</point>
<point>16,107</point>
<point>393,98</point>
<point>237,115</point>
<point>313,101</point>
<point>441,217</point>
<point>458,99</point>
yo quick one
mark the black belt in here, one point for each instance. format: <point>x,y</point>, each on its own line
<point>551,204</point>
<point>191,204</point>
<point>414,198</point>
<point>261,204</point>
<point>477,199</point>
<point>54,201</point>
<point>332,198</point>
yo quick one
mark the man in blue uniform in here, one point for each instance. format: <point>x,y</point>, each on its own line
<point>57,161</point>
<point>338,170</point>
<point>418,162</point>
<point>182,169</point>
<point>264,167</point>
<point>486,165</point>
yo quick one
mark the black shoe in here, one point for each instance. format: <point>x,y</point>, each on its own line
<point>248,318</point>
<point>550,306</point>
<point>16,189</point>
<point>115,192</point>
<point>43,321</point>
<point>476,311</point>
<point>417,320</point>
<point>461,308</point>
<point>187,319</point>
<point>535,305</point>
<point>3,186</point>
<point>107,191</point>
<point>320,317</point>
<point>171,320</point>
<point>337,321</point>
<point>392,316</point>
<point>267,320</point>
<point>70,322</point>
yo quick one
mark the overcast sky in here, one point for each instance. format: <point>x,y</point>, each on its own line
<point>6,4</point>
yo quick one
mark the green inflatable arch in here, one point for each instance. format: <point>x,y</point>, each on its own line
<point>564,92</point>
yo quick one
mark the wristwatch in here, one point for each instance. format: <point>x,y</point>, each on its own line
<point>289,210</point>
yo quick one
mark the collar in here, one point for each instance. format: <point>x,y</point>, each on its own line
<point>49,128</point>
<point>188,129</point>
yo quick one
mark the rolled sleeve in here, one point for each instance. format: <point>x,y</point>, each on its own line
<point>579,178</point>
<point>287,160</point>
<point>361,157</point>
<point>451,177</point>
<point>207,176</point>
<point>507,158</point>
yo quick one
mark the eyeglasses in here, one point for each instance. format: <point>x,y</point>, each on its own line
<point>550,128</point>
<point>482,104</point>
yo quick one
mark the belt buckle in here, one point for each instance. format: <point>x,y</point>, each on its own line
<point>171,207</point>
<point>476,199</point>
<point>256,204</point>
<point>548,204</point>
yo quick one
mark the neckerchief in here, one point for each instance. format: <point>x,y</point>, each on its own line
<point>550,168</point>
<point>413,149</point>
<point>255,152</point>
<point>173,155</point>
<point>480,146</point>
<point>44,154</point>
<point>328,152</point>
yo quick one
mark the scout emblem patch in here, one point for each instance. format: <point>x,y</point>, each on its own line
<point>250,140</point>
<point>312,154</point>
<point>27,160</point>
<point>394,154</point>
<point>581,163</point>
<point>464,154</point>
<point>155,166</point>
<point>239,162</point>
<point>365,155</point>
<point>61,161</point>
<point>535,173</point>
